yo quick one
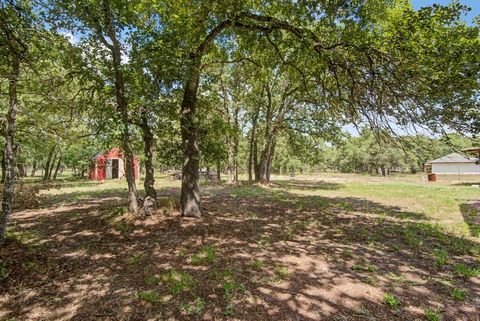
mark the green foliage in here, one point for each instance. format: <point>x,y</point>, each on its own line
<point>256,264</point>
<point>152,279</point>
<point>207,255</point>
<point>178,281</point>
<point>135,259</point>
<point>196,307</point>
<point>123,227</point>
<point>391,301</point>
<point>458,294</point>
<point>465,271</point>
<point>149,296</point>
<point>433,315</point>
<point>441,257</point>
<point>364,267</point>
<point>3,271</point>
<point>230,289</point>
<point>118,211</point>
<point>282,272</point>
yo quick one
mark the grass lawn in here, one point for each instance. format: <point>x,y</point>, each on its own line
<point>316,247</point>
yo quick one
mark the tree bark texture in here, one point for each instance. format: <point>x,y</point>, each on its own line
<point>9,152</point>
<point>122,105</point>
<point>47,164</point>
<point>190,193</point>
<point>59,162</point>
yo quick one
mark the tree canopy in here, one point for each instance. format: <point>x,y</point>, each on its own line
<point>248,86</point>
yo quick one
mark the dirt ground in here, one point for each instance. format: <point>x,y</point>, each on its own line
<point>258,254</point>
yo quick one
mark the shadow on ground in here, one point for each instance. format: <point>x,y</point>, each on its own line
<point>471,215</point>
<point>257,254</point>
<point>307,185</point>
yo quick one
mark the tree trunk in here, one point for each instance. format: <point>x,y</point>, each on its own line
<point>9,153</point>
<point>250,158</point>
<point>3,168</point>
<point>148,152</point>
<point>190,193</point>
<point>235,157</point>
<point>230,162</point>
<point>57,168</point>
<point>256,165</point>
<point>52,165</point>
<point>21,170</point>
<point>219,171</point>
<point>47,164</point>
<point>265,160</point>
<point>263,166</point>
<point>270,160</point>
<point>122,105</point>
<point>34,168</point>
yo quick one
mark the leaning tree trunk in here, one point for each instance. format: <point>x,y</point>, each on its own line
<point>57,168</point>
<point>122,105</point>
<point>52,165</point>
<point>9,184</point>
<point>190,193</point>
<point>47,164</point>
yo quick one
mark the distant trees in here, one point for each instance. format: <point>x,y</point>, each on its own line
<point>380,155</point>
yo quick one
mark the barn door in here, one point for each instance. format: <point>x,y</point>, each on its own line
<point>115,168</point>
<point>108,169</point>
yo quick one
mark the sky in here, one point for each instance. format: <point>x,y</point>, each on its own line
<point>473,4</point>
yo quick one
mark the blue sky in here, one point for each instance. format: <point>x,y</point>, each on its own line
<point>474,4</point>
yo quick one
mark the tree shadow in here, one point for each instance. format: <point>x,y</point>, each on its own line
<point>471,216</point>
<point>276,256</point>
<point>469,184</point>
<point>306,185</point>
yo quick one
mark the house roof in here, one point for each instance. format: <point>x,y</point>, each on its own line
<point>472,150</point>
<point>455,158</point>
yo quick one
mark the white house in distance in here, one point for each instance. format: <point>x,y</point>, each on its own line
<point>455,163</point>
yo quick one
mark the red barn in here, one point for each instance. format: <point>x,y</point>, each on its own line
<point>111,165</point>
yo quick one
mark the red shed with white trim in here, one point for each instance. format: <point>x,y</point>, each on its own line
<point>111,165</point>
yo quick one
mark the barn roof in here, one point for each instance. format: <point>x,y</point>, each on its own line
<point>455,158</point>
<point>97,154</point>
